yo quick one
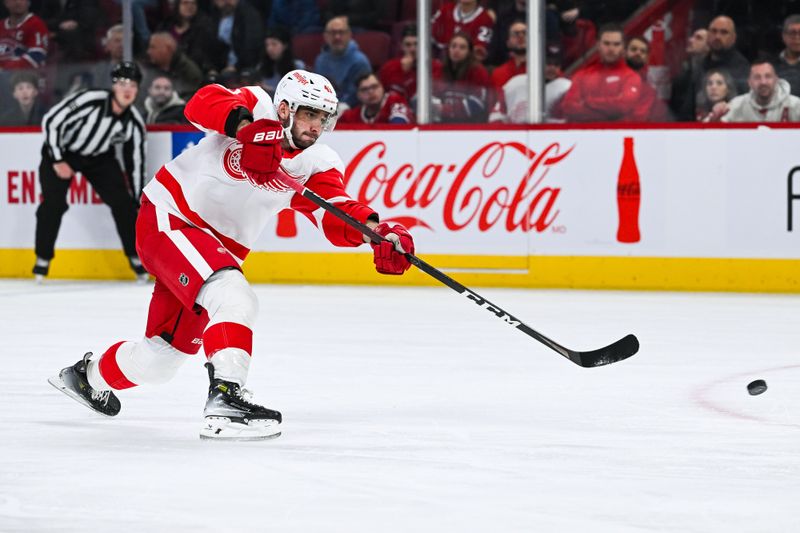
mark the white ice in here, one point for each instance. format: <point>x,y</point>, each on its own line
<point>411,410</point>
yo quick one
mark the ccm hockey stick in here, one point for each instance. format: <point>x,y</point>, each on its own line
<point>617,351</point>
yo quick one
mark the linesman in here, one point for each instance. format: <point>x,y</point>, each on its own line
<point>81,132</point>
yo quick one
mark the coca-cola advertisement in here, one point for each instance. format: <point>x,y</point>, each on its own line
<point>510,195</point>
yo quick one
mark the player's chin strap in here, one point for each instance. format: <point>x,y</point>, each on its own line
<point>287,131</point>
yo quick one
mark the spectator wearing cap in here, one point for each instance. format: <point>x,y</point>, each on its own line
<point>297,16</point>
<point>400,73</point>
<point>788,67</point>
<point>376,106</point>
<point>278,58</point>
<point>463,16</point>
<point>608,90</point>
<point>462,91</point>
<point>650,107</point>
<point>163,105</point>
<point>26,109</point>
<point>769,99</point>
<point>341,61</point>
<point>167,60</point>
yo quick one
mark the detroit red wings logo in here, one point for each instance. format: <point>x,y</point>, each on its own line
<point>231,163</point>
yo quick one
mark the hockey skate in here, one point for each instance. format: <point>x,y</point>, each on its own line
<point>73,382</point>
<point>230,415</point>
<point>41,269</point>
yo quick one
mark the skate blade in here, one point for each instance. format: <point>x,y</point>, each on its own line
<point>222,428</point>
<point>58,383</point>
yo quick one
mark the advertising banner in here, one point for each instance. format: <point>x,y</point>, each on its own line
<point>649,193</point>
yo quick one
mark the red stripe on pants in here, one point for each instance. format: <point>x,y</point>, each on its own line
<point>227,335</point>
<point>111,372</point>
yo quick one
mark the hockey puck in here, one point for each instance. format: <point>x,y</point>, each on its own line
<point>757,387</point>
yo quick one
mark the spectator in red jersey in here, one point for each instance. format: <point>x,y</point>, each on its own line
<point>376,105</point>
<point>463,16</point>
<point>400,74</point>
<point>462,90</point>
<point>718,86</point>
<point>608,90</point>
<point>23,37</point>
<point>650,107</point>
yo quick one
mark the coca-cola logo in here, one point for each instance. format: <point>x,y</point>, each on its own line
<point>500,184</point>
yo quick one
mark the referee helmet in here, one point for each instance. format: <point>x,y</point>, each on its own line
<point>127,70</point>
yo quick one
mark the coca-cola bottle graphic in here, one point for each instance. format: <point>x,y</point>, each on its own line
<point>628,196</point>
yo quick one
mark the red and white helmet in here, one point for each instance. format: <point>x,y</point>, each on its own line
<point>302,88</point>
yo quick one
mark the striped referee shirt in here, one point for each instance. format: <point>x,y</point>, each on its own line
<point>84,124</point>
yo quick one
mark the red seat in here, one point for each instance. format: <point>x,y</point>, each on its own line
<point>307,47</point>
<point>376,45</point>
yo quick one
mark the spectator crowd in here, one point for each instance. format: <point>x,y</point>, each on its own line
<point>593,70</point>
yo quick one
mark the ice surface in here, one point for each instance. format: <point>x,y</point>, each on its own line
<point>411,410</point>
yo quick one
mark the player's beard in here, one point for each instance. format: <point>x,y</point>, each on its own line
<point>302,142</point>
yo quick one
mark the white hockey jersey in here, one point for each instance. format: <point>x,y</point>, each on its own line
<point>205,187</point>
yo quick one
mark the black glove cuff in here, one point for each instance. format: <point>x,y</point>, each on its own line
<point>234,118</point>
<point>373,217</point>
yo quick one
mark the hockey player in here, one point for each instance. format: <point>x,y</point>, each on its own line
<point>199,217</point>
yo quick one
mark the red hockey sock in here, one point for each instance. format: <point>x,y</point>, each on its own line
<point>227,335</point>
<point>110,370</point>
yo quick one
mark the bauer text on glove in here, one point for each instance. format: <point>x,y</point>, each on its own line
<point>261,149</point>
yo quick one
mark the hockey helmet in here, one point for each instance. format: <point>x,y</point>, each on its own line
<point>302,88</point>
<point>127,70</point>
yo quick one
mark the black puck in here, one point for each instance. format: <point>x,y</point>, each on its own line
<point>757,387</point>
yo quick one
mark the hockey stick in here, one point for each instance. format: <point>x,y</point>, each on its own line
<point>617,351</point>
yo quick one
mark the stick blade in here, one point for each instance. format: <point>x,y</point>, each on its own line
<point>613,353</point>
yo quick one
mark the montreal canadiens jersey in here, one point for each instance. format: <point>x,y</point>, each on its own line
<point>23,45</point>
<point>205,186</point>
<point>448,21</point>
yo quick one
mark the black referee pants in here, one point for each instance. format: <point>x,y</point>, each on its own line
<point>105,175</point>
